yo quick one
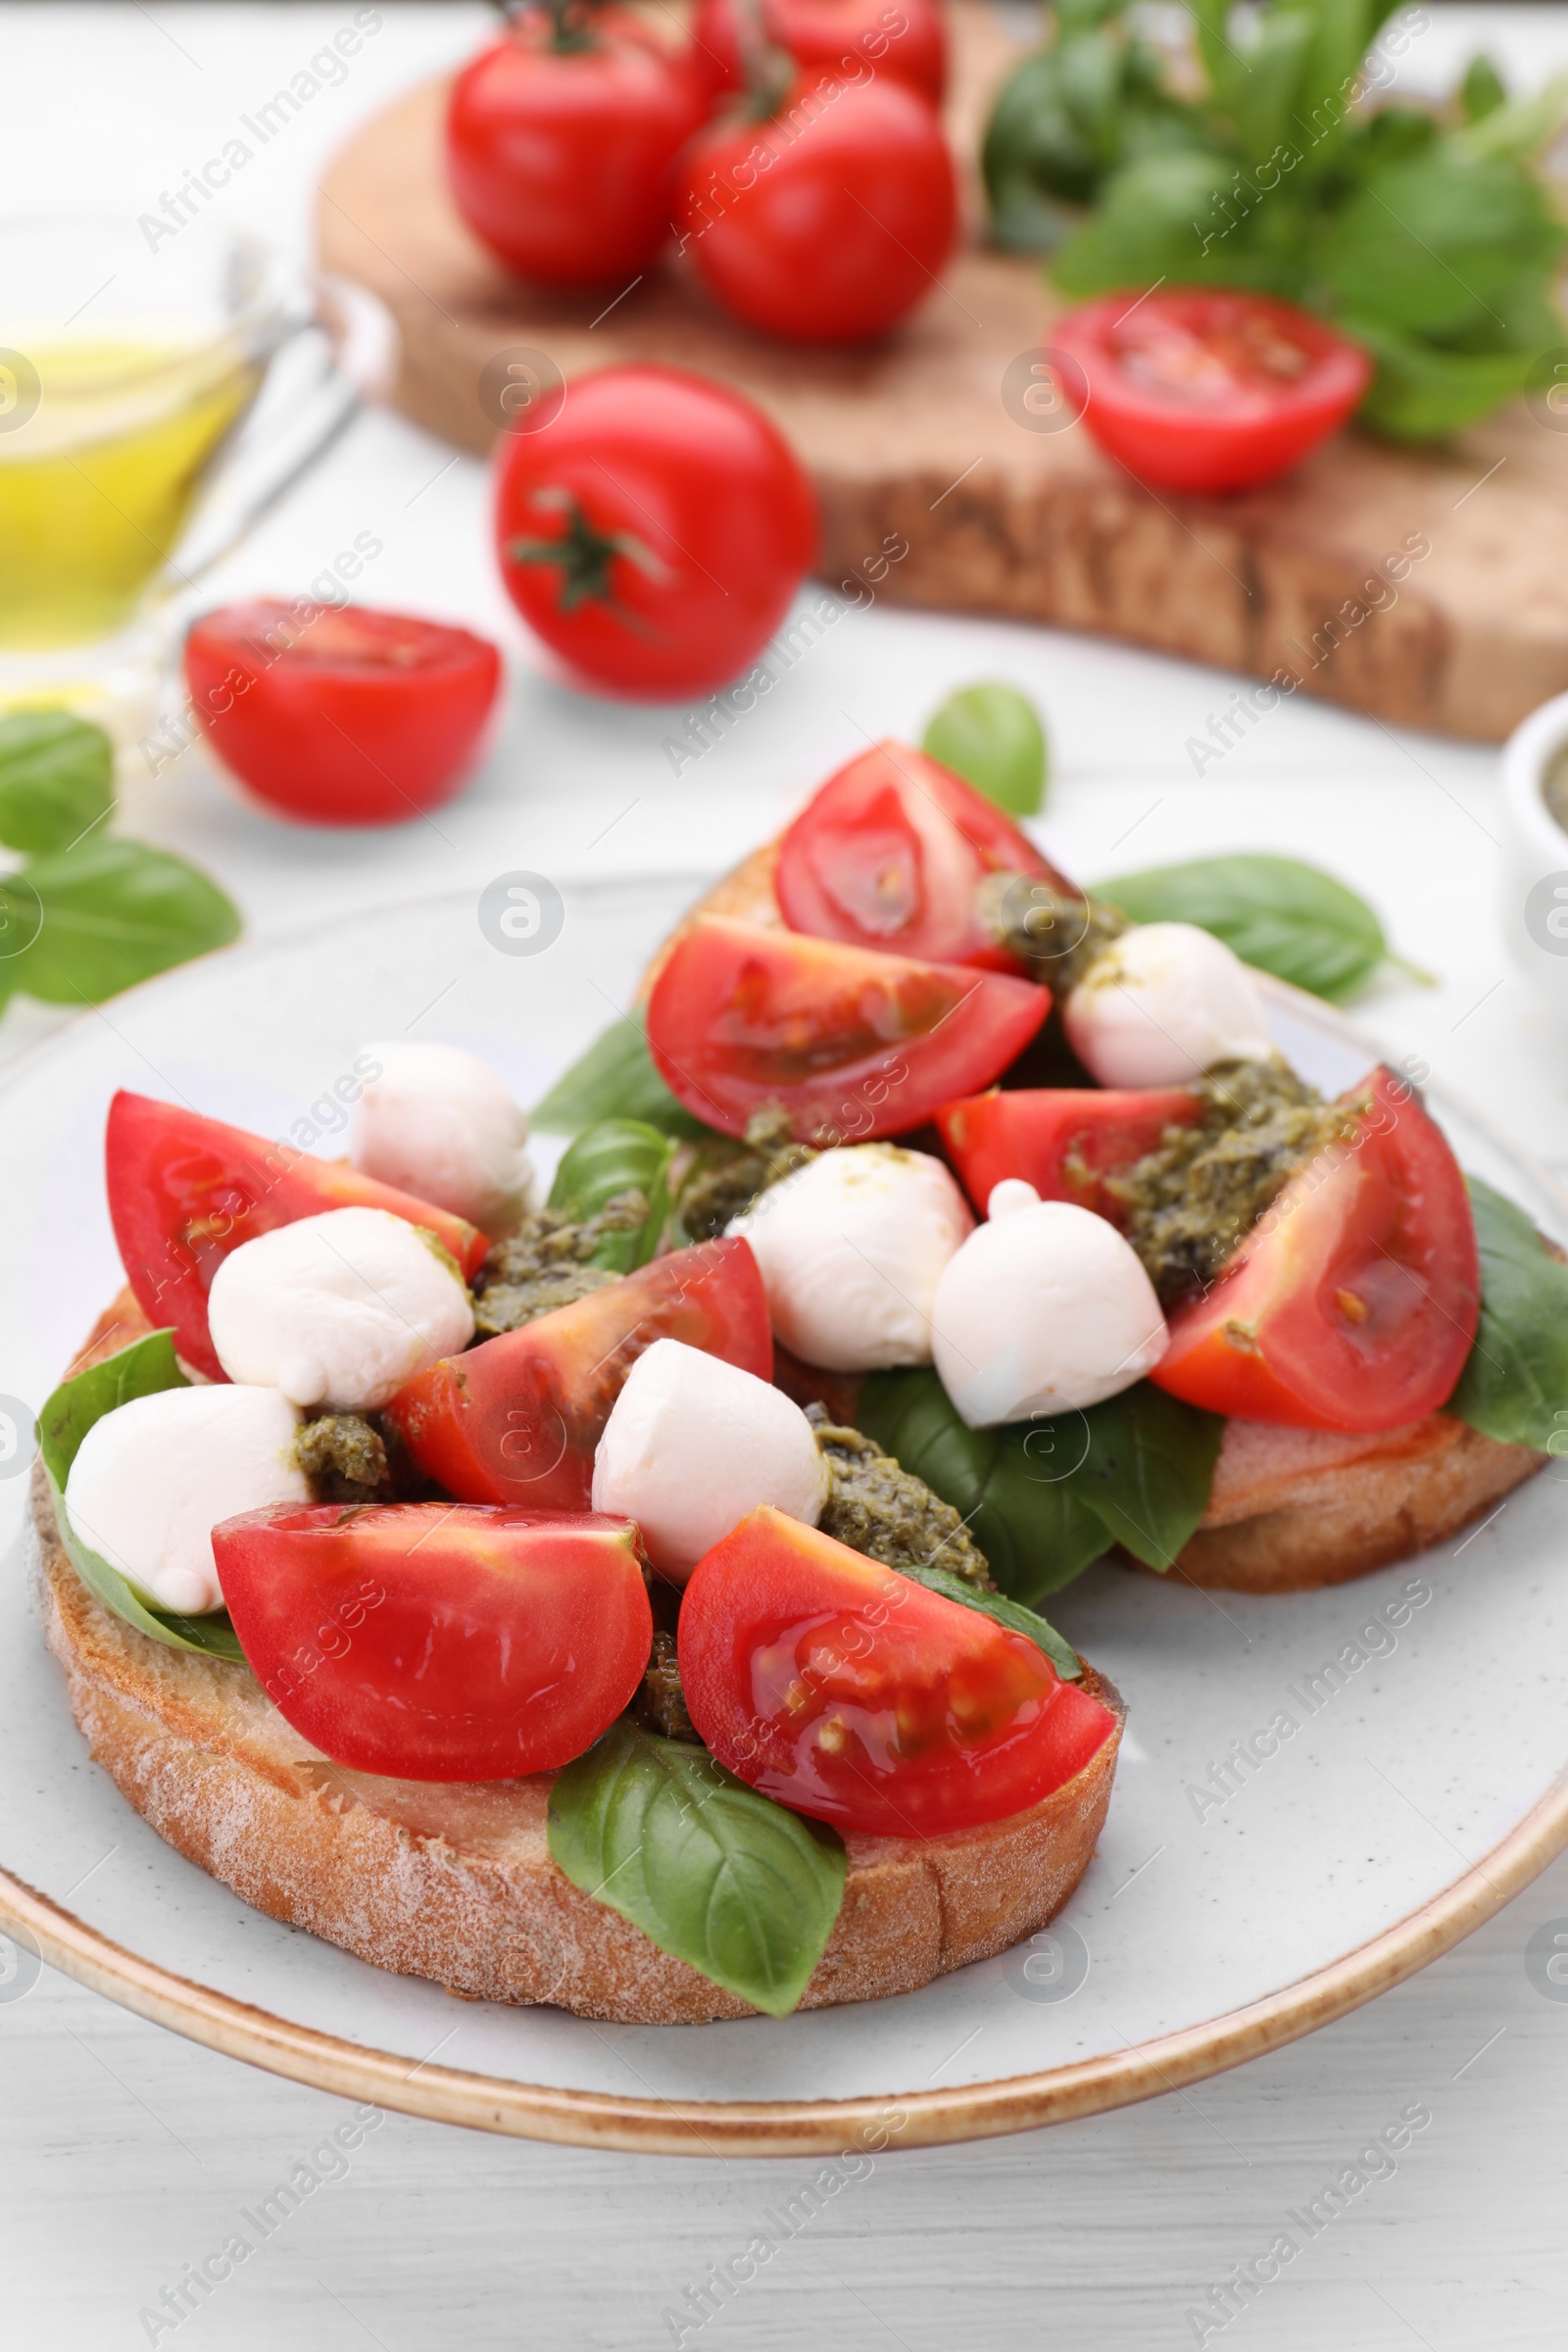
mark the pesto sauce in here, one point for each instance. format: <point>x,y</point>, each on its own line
<point>884,1512</point>
<point>1190,1203</point>
<point>726,1177</point>
<point>344,1457</point>
<point>545,1264</point>
<point>1056,933</point>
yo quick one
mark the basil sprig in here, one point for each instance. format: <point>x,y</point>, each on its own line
<point>1045,1499</point>
<point>713,1874</point>
<point>1514,1386</point>
<point>1277,913</point>
<point>613,1156</point>
<point>991,735</point>
<point>615,1079</point>
<point>144,1368</point>
<point>90,913</point>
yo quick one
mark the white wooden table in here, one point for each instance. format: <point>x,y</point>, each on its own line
<point>126,2154</point>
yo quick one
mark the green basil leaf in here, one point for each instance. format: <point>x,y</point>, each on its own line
<point>144,1368</point>
<point>1011,1613</point>
<point>744,1891</point>
<point>1422,392</point>
<point>991,735</point>
<point>1283,916</point>
<point>616,1156</point>
<point>1148,1469</point>
<point>57,779</point>
<point>1428,243</point>
<point>615,1079</point>
<point>98,919</point>
<point>1514,1386</point>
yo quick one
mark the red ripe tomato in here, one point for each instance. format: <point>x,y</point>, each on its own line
<point>853,1045</point>
<point>517,1419</point>
<point>1356,1300</point>
<point>439,1644</point>
<point>1064,1140</point>
<point>339,716</point>
<point>562,142</point>
<point>1196,389</point>
<point>655,531</point>
<point>853,1694</point>
<point>909,41</point>
<point>184,1191</point>
<point>828,222</point>
<point>891,852</point>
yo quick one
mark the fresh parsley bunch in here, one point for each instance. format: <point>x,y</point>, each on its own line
<point>1434,242</point>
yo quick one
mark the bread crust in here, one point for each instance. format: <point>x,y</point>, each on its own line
<point>456,1883</point>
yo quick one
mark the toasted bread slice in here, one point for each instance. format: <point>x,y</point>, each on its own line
<point>1291,1508</point>
<point>456,1882</point>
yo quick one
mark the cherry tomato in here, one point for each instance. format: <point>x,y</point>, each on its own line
<point>909,41</point>
<point>853,1045</point>
<point>517,1419</point>
<point>1064,1140</point>
<point>890,854</point>
<point>338,716</point>
<point>1355,1301</point>
<point>1195,389</point>
<point>435,1643</point>
<point>655,531</point>
<point>853,1694</point>
<point>562,142</point>
<point>827,221</point>
<point>184,1191</point>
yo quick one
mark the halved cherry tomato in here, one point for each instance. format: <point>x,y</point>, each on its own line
<point>889,853</point>
<point>1197,389</point>
<point>184,1191</point>
<point>1355,1301</point>
<point>829,219</point>
<point>853,1694</point>
<point>435,1643</point>
<point>853,1045</point>
<point>337,714</point>
<point>517,1419</point>
<point>909,41</point>
<point>1064,1140</point>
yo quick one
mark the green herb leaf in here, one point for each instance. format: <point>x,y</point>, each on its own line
<point>1287,918</point>
<point>616,1156</point>
<point>1514,1386</point>
<point>144,1368</point>
<point>1011,1613</point>
<point>713,1874</point>
<point>57,779</point>
<point>1148,1469</point>
<point>615,1079</point>
<point>991,735</point>
<point>90,921</point>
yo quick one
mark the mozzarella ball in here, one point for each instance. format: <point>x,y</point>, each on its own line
<point>439,1123</point>
<point>337,1311</point>
<point>1161,1006</point>
<point>153,1479</point>
<point>851,1248</point>
<point>692,1445</point>
<point>1044,1307</point>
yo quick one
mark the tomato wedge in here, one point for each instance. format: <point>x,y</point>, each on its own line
<point>1354,1302</point>
<point>853,1694</point>
<point>439,1644</point>
<point>853,1044</point>
<point>517,1419</point>
<point>1064,1140</point>
<point>891,852</point>
<point>184,1191</point>
<point>1205,389</point>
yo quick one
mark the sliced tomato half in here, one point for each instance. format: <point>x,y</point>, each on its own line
<point>1353,1303</point>
<point>891,852</point>
<point>1064,1140</point>
<point>853,1045</point>
<point>517,1419</point>
<point>184,1191</point>
<point>437,1643</point>
<point>853,1694</point>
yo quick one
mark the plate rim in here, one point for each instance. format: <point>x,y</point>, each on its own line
<point>722,2128</point>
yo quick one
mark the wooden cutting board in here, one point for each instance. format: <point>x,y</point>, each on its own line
<point>917,442</point>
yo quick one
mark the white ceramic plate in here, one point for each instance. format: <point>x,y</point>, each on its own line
<point>1425,1789</point>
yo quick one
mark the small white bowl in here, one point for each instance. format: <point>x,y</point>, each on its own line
<point>1535,853</point>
